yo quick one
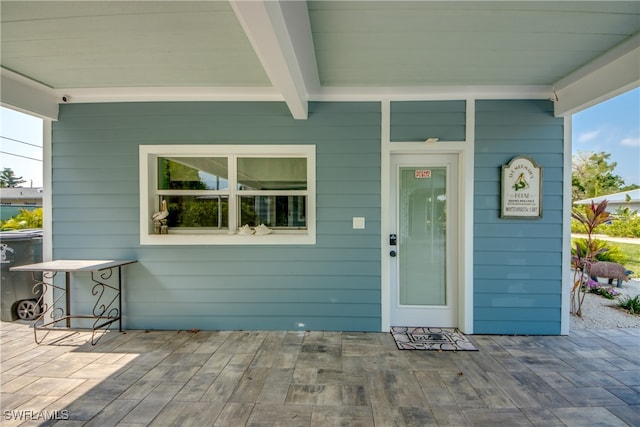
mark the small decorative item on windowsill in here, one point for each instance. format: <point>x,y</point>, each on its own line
<point>262,230</point>
<point>245,230</point>
<point>160,220</point>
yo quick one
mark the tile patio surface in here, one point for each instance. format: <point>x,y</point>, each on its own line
<point>252,378</point>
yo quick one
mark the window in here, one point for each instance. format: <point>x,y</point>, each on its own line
<point>228,194</point>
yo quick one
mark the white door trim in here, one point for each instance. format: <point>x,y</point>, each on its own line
<point>465,151</point>
<point>436,315</point>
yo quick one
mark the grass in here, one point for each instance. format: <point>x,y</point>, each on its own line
<point>632,251</point>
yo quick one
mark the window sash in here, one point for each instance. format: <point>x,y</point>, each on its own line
<point>193,172</point>
<point>274,211</point>
<point>281,173</point>
<point>193,210</point>
<point>232,193</point>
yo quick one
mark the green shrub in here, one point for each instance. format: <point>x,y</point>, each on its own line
<point>631,304</point>
<point>613,254</point>
<point>624,223</point>
<point>25,219</point>
<point>624,226</point>
<point>610,253</point>
<point>577,227</point>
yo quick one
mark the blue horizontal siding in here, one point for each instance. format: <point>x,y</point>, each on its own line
<point>507,271</point>
<point>243,321</point>
<point>419,120</point>
<point>243,283</point>
<point>502,257</point>
<point>551,216</point>
<point>531,286</point>
<point>333,285</point>
<point>517,300</point>
<point>258,296</point>
<point>513,245</point>
<point>517,262</point>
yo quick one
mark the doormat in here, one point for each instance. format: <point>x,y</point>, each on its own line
<point>438,339</point>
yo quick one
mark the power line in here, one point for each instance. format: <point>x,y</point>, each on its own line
<point>21,142</point>
<point>18,155</point>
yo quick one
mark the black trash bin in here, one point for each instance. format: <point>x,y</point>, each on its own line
<point>17,248</point>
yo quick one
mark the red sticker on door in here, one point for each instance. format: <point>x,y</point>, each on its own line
<point>425,173</point>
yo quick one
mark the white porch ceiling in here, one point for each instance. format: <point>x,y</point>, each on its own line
<point>298,51</point>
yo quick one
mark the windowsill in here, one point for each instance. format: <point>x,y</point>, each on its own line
<point>227,239</point>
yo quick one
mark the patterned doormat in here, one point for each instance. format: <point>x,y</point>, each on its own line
<point>439,339</point>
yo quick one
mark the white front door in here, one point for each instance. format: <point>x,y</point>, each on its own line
<point>424,220</point>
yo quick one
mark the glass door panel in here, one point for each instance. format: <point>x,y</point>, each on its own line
<point>422,236</point>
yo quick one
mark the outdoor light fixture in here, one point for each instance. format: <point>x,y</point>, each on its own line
<point>431,140</point>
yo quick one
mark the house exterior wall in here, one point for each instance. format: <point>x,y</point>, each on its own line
<point>14,200</point>
<point>517,262</point>
<point>333,285</point>
<point>336,283</point>
<point>419,120</point>
<point>616,201</point>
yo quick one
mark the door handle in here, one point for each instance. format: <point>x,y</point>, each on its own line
<point>392,254</point>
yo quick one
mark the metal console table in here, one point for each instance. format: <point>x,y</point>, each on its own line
<point>108,304</point>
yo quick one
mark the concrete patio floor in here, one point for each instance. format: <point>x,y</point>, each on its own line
<point>253,378</point>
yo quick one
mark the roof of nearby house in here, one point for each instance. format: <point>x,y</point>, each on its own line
<point>20,193</point>
<point>574,53</point>
<point>613,198</point>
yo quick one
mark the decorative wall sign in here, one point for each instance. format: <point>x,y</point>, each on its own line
<point>521,189</point>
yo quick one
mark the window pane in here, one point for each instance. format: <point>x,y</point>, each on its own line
<point>193,173</point>
<point>201,211</point>
<point>258,173</point>
<point>273,211</point>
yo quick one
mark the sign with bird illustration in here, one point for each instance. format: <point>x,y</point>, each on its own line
<point>521,189</point>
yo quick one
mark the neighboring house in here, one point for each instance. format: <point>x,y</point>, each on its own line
<point>368,136</point>
<point>13,199</point>
<point>625,199</point>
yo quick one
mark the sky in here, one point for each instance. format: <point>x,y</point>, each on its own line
<point>21,146</point>
<point>612,126</point>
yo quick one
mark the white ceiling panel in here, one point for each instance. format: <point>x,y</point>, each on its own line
<point>463,43</point>
<point>130,44</point>
<point>299,51</point>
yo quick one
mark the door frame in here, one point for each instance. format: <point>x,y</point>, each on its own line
<point>464,150</point>
<point>438,314</point>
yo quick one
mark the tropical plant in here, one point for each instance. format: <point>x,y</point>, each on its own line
<point>608,251</point>
<point>25,219</point>
<point>632,304</point>
<point>592,175</point>
<point>591,217</point>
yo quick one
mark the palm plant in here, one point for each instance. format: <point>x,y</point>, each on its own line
<point>592,216</point>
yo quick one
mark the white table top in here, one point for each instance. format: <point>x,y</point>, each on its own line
<point>72,265</point>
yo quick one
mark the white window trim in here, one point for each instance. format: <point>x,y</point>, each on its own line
<point>148,201</point>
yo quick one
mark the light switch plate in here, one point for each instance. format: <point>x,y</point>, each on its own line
<point>358,222</point>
